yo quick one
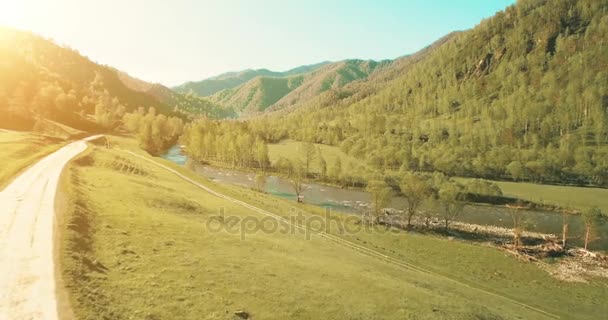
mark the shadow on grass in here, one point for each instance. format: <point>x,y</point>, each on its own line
<point>81,224</point>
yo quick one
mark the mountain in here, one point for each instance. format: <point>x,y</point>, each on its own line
<point>42,80</point>
<point>273,93</point>
<point>187,103</point>
<point>522,96</point>
<point>349,79</point>
<point>230,80</point>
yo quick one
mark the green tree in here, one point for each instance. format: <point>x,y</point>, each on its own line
<point>297,177</point>
<point>415,189</point>
<point>381,196</point>
<point>593,218</point>
<point>516,170</point>
<point>308,152</point>
<point>284,165</point>
<point>260,181</point>
<point>518,223</point>
<point>452,202</point>
<point>336,170</point>
<point>261,154</point>
<point>322,164</point>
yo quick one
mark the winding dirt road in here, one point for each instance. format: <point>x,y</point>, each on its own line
<point>27,216</point>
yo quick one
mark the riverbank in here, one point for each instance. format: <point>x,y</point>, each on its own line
<point>570,264</point>
<point>356,201</point>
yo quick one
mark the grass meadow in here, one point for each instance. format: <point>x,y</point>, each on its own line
<point>152,253</point>
<point>18,150</point>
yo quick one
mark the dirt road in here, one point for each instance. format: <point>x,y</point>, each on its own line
<point>27,216</point>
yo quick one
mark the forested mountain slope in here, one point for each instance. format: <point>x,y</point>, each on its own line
<point>188,104</point>
<point>351,92</point>
<point>230,80</point>
<point>523,95</point>
<point>275,93</point>
<point>41,80</point>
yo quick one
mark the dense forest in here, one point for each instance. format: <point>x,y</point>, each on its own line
<point>522,96</point>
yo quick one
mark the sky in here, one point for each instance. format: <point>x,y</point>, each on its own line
<point>174,41</point>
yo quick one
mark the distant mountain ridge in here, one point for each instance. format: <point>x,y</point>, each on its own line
<point>230,80</point>
<point>187,103</point>
<point>265,93</point>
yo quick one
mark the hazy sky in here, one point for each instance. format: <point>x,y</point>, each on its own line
<point>173,41</point>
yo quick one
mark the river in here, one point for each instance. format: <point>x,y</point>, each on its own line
<point>356,201</point>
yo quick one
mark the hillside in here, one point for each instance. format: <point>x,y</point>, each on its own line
<point>522,96</point>
<point>42,80</point>
<point>230,80</point>
<point>185,103</point>
<point>274,93</point>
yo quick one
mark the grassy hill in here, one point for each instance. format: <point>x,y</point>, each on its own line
<point>230,80</point>
<point>117,266</point>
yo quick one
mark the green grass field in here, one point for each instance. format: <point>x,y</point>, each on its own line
<point>19,150</point>
<point>580,198</point>
<point>136,244</point>
<point>563,196</point>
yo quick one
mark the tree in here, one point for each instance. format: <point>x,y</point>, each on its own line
<point>593,218</point>
<point>451,200</point>
<point>297,179</point>
<point>381,195</point>
<point>261,154</point>
<point>516,170</point>
<point>66,102</point>
<point>155,133</point>
<point>415,190</point>
<point>518,223</point>
<point>18,103</point>
<point>322,164</point>
<point>260,181</point>
<point>284,165</point>
<point>336,170</point>
<point>308,154</point>
<point>565,225</point>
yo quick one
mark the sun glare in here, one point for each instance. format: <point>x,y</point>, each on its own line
<point>11,12</point>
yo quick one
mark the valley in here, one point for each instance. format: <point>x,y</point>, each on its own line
<point>292,160</point>
<point>123,239</point>
<point>357,201</point>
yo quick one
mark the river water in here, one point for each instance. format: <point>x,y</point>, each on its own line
<point>356,201</point>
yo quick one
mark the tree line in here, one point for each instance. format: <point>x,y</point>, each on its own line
<point>225,142</point>
<point>155,132</point>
